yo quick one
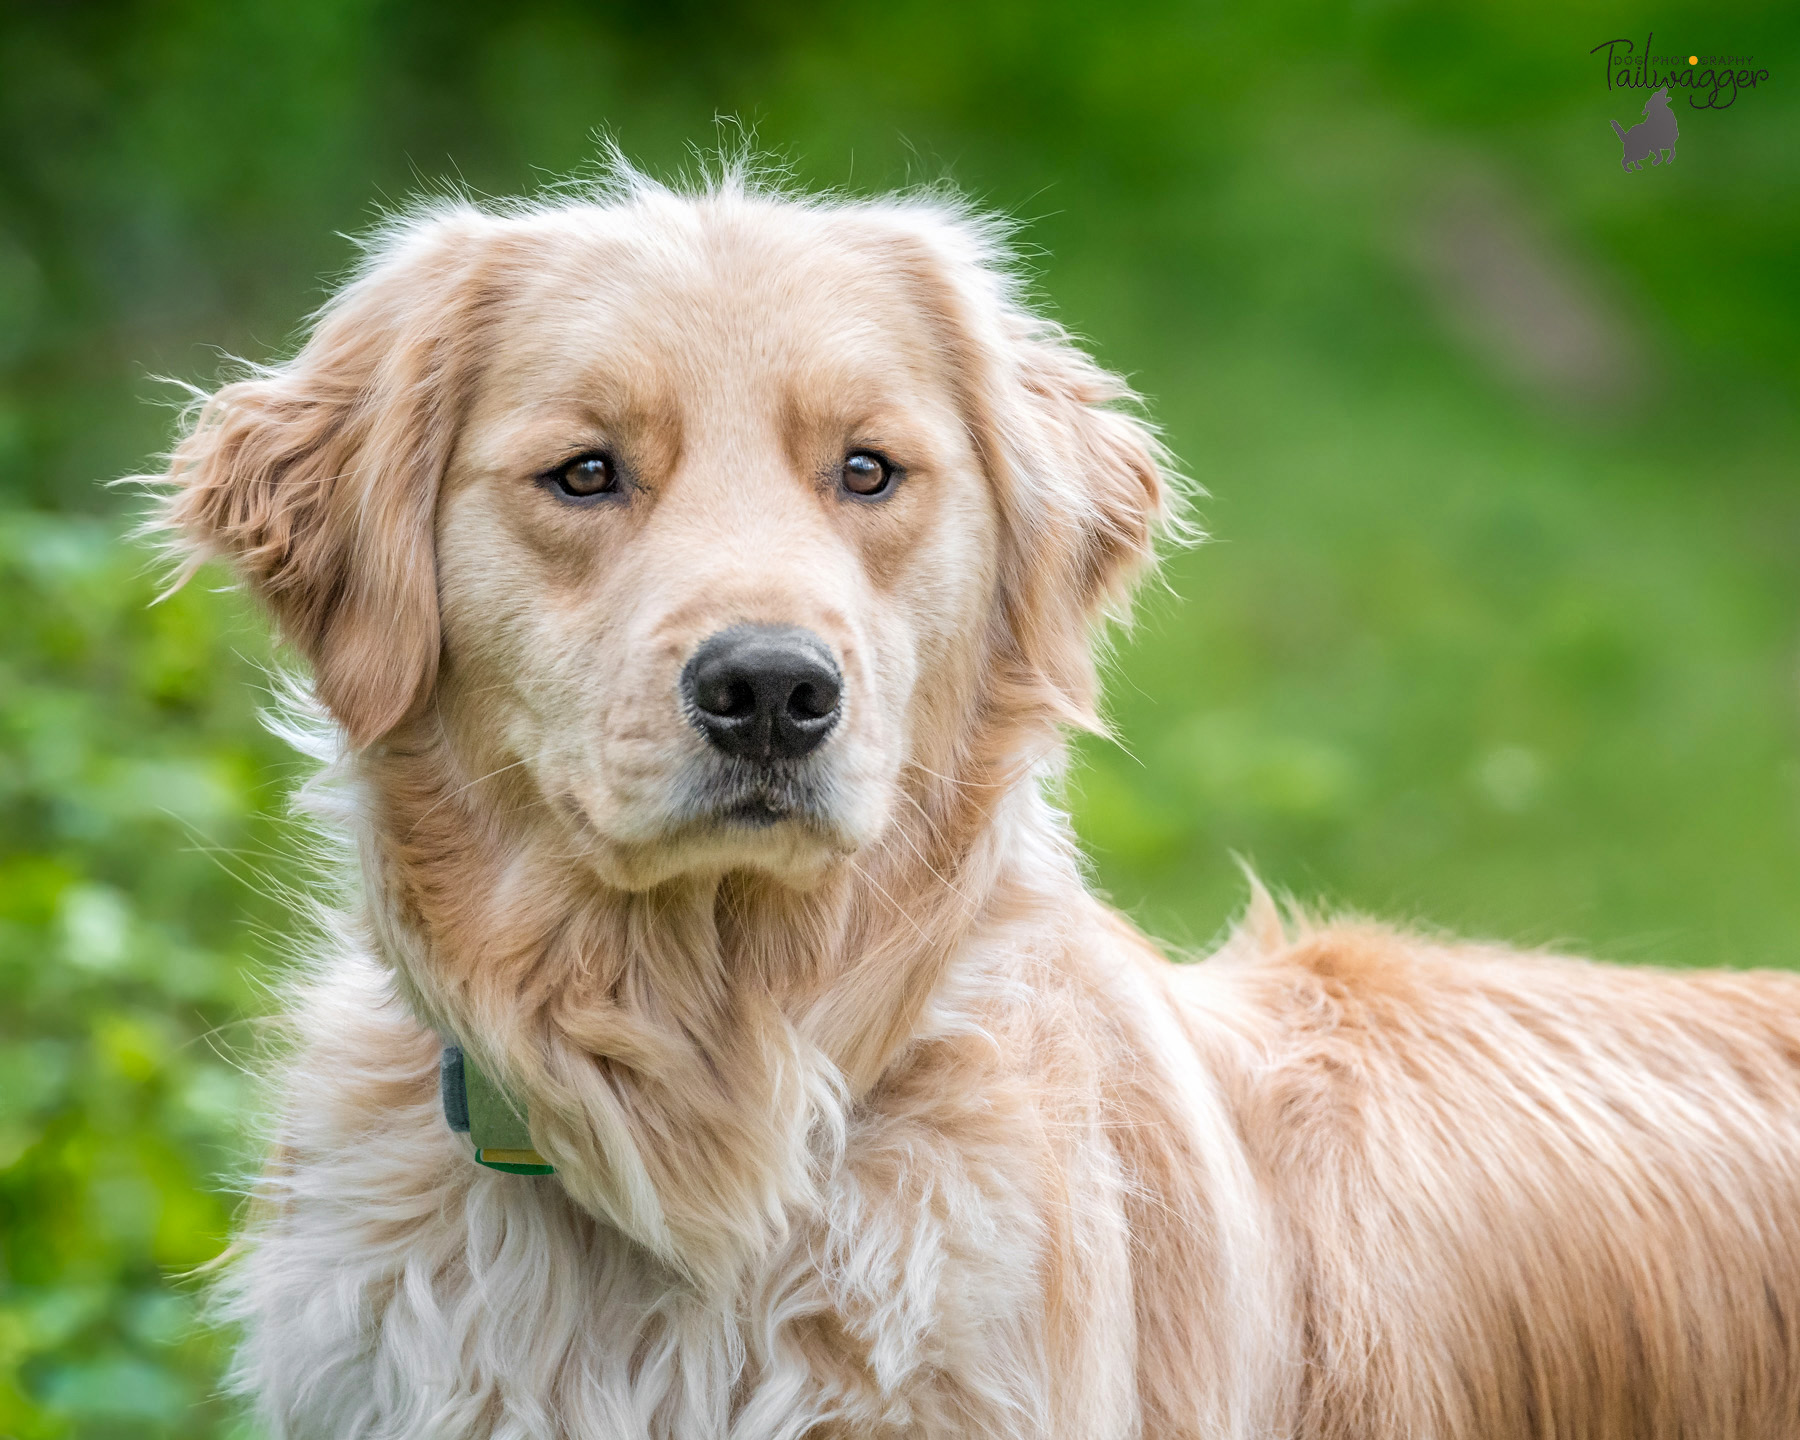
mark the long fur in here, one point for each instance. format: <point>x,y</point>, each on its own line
<point>908,1134</point>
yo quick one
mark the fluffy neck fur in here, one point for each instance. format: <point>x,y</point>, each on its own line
<point>690,1054</point>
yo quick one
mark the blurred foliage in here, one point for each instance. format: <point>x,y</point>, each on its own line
<point>1498,629</point>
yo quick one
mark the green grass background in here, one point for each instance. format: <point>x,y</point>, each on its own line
<point>1497,631</point>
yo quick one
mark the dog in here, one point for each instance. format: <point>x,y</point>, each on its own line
<point>1655,135</point>
<point>698,584</point>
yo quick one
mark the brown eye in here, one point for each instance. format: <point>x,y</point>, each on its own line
<point>867,474</point>
<point>586,476</point>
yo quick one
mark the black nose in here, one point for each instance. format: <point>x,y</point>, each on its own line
<point>763,692</point>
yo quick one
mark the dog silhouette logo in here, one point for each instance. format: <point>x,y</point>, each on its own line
<point>1654,136</point>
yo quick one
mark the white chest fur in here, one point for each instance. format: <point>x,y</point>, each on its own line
<point>391,1287</point>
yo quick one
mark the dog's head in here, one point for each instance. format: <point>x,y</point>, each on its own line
<point>700,518</point>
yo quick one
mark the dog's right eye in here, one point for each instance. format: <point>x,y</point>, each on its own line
<point>586,476</point>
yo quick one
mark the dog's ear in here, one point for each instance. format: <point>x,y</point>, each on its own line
<point>1081,479</point>
<point>318,479</point>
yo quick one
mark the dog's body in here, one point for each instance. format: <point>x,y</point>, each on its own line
<point>868,1119</point>
<point>1653,136</point>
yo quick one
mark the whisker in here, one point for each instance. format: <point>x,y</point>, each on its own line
<point>924,860</point>
<point>460,789</point>
<point>893,904</point>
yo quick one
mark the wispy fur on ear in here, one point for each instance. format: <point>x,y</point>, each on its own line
<point>1084,485</point>
<point>317,479</point>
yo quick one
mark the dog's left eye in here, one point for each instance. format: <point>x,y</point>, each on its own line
<point>586,476</point>
<point>866,474</point>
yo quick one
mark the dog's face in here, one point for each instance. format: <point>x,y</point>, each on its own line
<point>691,522</point>
<point>714,547</point>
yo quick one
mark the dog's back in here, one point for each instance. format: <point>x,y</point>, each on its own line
<point>1526,1196</point>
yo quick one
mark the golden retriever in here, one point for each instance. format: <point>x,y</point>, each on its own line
<point>701,583</point>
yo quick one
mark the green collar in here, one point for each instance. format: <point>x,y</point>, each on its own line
<point>492,1119</point>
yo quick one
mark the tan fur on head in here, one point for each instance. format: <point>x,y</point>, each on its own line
<point>318,479</point>
<point>868,1118</point>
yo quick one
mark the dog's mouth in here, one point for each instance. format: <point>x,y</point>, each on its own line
<point>758,813</point>
<point>784,817</point>
<point>756,795</point>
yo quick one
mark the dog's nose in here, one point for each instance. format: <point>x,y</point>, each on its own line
<point>763,692</point>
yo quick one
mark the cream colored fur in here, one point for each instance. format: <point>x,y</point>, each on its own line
<point>880,1123</point>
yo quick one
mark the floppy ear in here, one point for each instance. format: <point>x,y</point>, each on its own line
<point>1079,476</point>
<point>1088,496</point>
<point>318,478</point>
